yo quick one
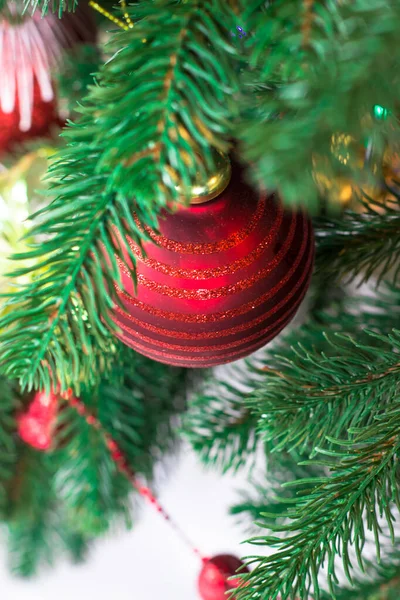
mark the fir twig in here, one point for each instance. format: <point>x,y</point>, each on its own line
<point>138,137</point>
<point>322,525</point>
<point>309,58</point>
<point>58,6</point>
<point>360,244</point>
<point>317,385</point>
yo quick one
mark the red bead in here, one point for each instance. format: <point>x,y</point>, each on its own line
<point>214,578</point>
<point>80,408</point>
<point>221,280</point>
<point>36,427</point>
<point>31,49</point>
<point>117,455</point>
<point>111,445</point>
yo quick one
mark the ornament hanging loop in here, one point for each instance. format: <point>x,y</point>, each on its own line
<point>206,187</point>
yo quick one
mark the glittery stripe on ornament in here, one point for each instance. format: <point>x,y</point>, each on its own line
<point>197,274</point>
<point>208,359</point>
<point>206,335</point>
<point>210,294</point>
<point>227,356</point>
<point>197,248</point>
<point>228,314</point>
<point>223,345</point>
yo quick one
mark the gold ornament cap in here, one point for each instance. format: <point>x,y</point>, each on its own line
<point>204,189</point>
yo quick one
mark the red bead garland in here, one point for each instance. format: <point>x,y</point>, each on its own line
<point>37,426</point>
<point>123,467</point>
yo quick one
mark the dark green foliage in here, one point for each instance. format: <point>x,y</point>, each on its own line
<point>157,128</point>
<point>315,389</point>
<point>308,390</point>
<point>9,404</point>
<point>59,501</point>
<point>32,520</point>
<point>112,168</point>
<point>136,404</point>
<point>87,481</point>
<point>319,384</point>
<point>76,75</point>
<point>37,525</point>
<point>139,404</point>
<point>379,582</point>
<point>360,488</point>
<point>364,244</point>
<point>218,425</point>
<point>320,68</point>
<point>270,497</point>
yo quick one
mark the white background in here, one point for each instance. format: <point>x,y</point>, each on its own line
<point>149,562</point>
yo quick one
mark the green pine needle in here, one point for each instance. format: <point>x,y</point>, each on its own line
<point>333,516</point>
<point>58,327</point>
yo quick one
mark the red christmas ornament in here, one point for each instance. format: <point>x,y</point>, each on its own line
<point>31,48</point>
<point>214,579</point>
<point>36,427</point>
<point>220,280</point>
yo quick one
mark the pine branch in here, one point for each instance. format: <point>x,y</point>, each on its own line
<point>9,404</point>
<point>363,244</point>
<point>270,497</point>
<point>220,429</point>
<point>58,6</point>
<point>136,404</point>
<point>168,127</point>
<point>315,385</point>
<point>87,481</point>
<point>75,75</point>
<point>334,515</point>
<point>76,544</point>
<point>32,522</point>
<point>379,582</point>
<point>57,327</point>
<point>37,525</point>
<point>311,58</point>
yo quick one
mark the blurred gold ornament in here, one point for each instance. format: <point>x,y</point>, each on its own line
<point>391,168</point>
<point>357,175</point>
<point>338,190</point>
<point>345,193</point>
<point>347,151</point>
<point>19,198</point>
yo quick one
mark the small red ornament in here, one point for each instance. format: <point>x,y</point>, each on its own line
<point>214,578</point>
<point>37,426</point>
<point>31,48</point>
<point>220,280</point>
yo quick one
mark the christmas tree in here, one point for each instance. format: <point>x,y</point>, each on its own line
<point>173,181</point>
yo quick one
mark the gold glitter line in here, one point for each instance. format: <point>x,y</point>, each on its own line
<point>96,6</point>
<point>126,15</point>
<point>286,318</point>
<point>222,332</point>
<point>211,248</point>
<point>228,290</point>
<point>308,239</point>
<point>211,273</point>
